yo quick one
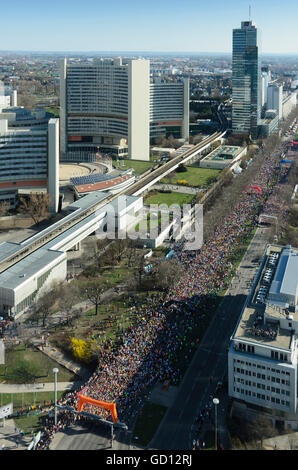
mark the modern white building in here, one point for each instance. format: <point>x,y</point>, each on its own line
<point>23,282</point>
<point>29,156</point>
<point>262,359</point>
<point>8,96</point>
<point>266,78</point>
<point>105,104</point>
<point>275,98</point>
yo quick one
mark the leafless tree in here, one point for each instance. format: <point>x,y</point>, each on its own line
<point>36,205</point>
<point>92,289</point>
<point>4,207</point>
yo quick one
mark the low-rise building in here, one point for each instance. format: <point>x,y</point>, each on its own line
<point>223,157</point>
<point>269,125</point>
<point>262,358</point>
<point>25,280</point>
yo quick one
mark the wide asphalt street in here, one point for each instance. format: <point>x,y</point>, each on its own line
<point>210,360</point>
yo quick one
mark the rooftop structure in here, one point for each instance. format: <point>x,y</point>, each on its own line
<point>266,338</point>
<point>23,282</point>
<point>102,182</point>
<point>223,157</point>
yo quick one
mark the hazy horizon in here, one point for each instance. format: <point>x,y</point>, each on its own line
<point>168,26</point>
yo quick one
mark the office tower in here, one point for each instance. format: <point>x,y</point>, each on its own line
<point>275,97</point>
<point>169,108</point>
<point>105,104</point>
<point>246,80</point>
<point>29,155</point>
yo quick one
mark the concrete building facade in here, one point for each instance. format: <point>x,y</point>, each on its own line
<point>105,104</point>
<point>8,96</point>
<point>29,156</point>
<point>169,108</point>
<point>275,98</point>
<point>114,106</point>
<point>246,80</point>
<point>262,359</point>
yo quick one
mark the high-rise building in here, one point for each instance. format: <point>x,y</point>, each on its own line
<point>29,155</point>
<point>105,104</point>
<point>246,80</point>
<point>275,97</point>
<point>169,108</point>
<point>266,78</point>
<point>115,106</point>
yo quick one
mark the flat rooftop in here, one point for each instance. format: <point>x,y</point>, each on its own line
<point>252,329</point>
<point>225,152</point>
<point>251,326</point>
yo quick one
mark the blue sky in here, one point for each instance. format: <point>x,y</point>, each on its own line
<point>144,25</point>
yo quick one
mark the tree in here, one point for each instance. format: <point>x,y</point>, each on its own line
<point>81,349</point>
<point>68,296</point>
<point>25,372</point>
<point>45,304</point>
<point>36,205</point>
<point>92,289</point>
<point>131,252</point>
<point>167,273</point>
<point>4,207</point>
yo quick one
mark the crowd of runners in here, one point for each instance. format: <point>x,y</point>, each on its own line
<point>126,375</point>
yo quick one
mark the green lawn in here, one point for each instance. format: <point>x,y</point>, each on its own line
<point>139,166</point>
<point>169,198</point>
<point>194,176</point>
<point>43,363</point>
<point>28,399</point>
<point>53,109</point>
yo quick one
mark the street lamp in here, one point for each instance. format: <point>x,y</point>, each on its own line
<point>215,402</point>
<point>55,370</point>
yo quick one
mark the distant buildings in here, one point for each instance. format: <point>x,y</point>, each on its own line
<point>246,80</point>
<point>8,96</point>
<point>262,359</point>
<point>29,155</point>
<point>113,105</point>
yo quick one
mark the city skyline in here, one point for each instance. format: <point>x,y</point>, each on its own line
<point>167,26</point>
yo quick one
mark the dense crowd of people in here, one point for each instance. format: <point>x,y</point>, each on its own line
<point>126,375</point>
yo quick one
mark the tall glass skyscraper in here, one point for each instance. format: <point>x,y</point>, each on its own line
<point>246,80</point>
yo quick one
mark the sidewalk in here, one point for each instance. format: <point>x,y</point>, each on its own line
<point>11,438</point>
<point>38,387</point>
